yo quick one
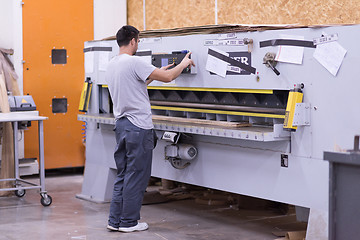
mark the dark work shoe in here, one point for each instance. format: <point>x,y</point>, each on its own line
<point>139,227</point>
<point>111,228</point>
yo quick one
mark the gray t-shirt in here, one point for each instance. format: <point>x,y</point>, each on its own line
<point>126,77</point>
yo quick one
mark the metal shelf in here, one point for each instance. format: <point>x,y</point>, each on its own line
<point>255,133</point>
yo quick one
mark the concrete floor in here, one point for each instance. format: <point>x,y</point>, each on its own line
<point>72,218</point>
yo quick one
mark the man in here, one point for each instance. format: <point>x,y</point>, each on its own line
<point>127,77</point>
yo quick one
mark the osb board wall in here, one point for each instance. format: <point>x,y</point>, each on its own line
<point>171,14</point>
<point>304,12</point>
<point>135,15</point>
<point>162,14</point>
<point>179,13</point>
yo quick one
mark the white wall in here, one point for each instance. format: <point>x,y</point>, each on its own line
<point>11,37</point>
<point>6,14</point>
<point>109,16</point>
<point>11,33</point>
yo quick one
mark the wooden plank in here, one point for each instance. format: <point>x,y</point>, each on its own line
<point>7,157</point>
<point>4,101</point>
<point>15,86</point>
<point>6,69</point>
<point>200,121</point>
<point>10,75</point>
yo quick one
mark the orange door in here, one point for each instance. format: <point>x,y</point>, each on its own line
<point>54,33</point>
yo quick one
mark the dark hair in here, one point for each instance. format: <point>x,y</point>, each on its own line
<point>125,34</point>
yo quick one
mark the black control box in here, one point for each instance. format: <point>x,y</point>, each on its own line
<point>161,60</point>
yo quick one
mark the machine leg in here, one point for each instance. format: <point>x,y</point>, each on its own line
<point>46,199</point>
<point>41,157</point>
<point>16,155</point>
<point>318,225</point>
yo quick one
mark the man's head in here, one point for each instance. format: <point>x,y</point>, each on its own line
<point>127,35</point>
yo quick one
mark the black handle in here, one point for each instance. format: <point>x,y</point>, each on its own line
<point>25,105</point>
<point>273,68</point>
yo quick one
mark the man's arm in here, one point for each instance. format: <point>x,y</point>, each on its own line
<point>165,75</point>
<point>162,68</point>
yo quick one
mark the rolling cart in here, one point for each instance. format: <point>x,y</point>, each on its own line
<point>20,185</point>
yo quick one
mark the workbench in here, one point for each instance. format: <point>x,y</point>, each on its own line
<point>21,185</point>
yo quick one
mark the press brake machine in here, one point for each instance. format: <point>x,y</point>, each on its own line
<point>255,125</point>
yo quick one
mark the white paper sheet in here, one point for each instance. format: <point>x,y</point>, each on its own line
<point>104,57</point>
<point>290,54</point>
<point>103,60</point>
<point>330,55</point>
<point>216,65</point>
<point>89,62</point>
<point>146,58</point>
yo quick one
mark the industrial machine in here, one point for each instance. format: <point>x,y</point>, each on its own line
<point>254,117</point>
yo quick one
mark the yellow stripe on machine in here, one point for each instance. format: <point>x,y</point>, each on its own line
<point>85,97</point>
<point>234,90</point>
<point>180,109</point>
<point>293,99</point>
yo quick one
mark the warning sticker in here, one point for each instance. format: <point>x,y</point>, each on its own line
<point>243,57</point>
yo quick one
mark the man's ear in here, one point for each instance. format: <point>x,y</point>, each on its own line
<point>133,41</point>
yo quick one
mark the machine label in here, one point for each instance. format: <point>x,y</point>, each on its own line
<point>326,39</point>
<point>224,42</point>
<point>242,57</point>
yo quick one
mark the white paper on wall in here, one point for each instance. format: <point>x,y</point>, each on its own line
<point>89,62</point>
<point>330,55</point>
<point>216,65</point>
<point>104,57</point>
<point>290,54</point>
<point>145,55</point>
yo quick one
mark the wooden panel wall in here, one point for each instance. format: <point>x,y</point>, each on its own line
<point>304,12</point>
<point>162,14</point>
<point>171,14</point>
<point>135,13</point>
<point>178,13</point>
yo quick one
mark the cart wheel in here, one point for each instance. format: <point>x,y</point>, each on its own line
<point>46,201</point>
<point>20,193</point>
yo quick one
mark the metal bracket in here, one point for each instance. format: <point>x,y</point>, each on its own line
<point>302,114</point>
<point>279,131</point>
<point>250,44</point>
<point>356,143</point>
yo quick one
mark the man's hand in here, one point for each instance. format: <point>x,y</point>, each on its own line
<point>162,68</point>
<point>164,74</point>
<point>187,61</point>
<point>167,67</point>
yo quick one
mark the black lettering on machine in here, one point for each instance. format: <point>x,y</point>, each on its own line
<point>242,57</point>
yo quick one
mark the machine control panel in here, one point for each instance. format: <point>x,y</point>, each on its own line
<point>161,60</point>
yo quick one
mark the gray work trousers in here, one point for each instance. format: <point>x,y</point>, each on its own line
<point>133,156</point>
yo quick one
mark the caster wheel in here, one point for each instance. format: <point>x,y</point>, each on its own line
<point>46,201</point>
<point>20,193</point>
